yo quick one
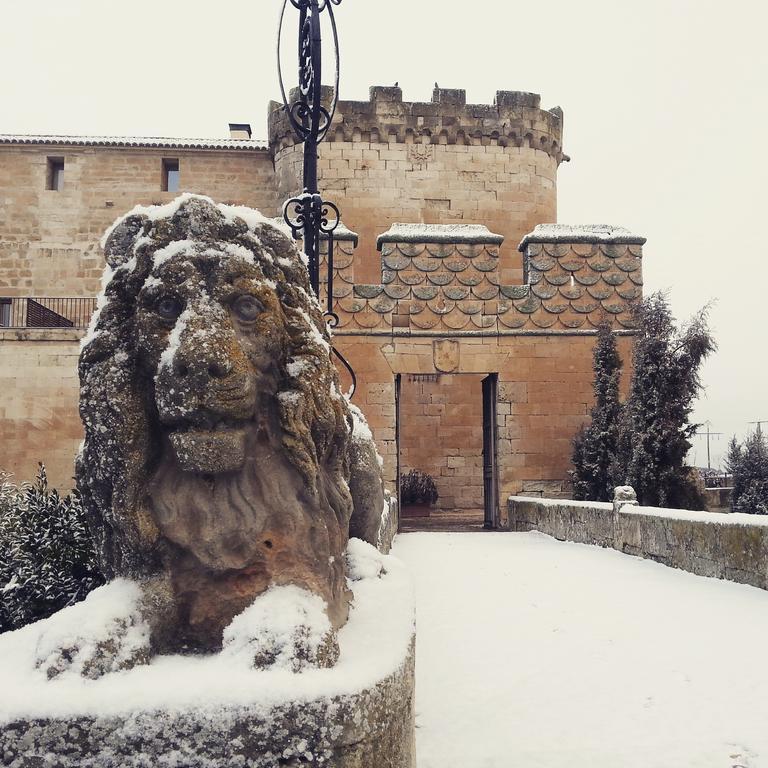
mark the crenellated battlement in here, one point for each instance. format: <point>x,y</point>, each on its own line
<point>514,119</point>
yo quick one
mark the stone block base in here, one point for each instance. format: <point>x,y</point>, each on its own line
<point>210,712</point>
<point>371,729</point>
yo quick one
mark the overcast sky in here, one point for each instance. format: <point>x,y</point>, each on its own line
<point>664,101</point>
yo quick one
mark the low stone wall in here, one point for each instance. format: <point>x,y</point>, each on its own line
<point>725,546</point>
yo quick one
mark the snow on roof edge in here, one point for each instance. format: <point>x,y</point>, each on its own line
<point>158,142</point>
<point>581,233</point>
<point>438,233</point>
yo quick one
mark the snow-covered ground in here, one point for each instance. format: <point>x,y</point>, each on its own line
<point>543,654</point>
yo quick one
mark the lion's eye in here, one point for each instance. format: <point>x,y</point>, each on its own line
<point>168,307</point>
<point>248,308</point>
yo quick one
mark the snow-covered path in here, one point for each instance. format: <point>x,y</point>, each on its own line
<point>538,653</point>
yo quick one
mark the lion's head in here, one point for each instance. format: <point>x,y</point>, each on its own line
<point>215,434</point>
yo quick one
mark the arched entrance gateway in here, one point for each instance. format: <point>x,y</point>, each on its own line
<point>480,384</point>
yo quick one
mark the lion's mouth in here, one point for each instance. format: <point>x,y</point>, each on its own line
<point>209,448</point>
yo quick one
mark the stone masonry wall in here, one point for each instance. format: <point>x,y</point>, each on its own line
<point>545,392</point>
<point>49,239</point>
<point>38,412</point>
<point>441,433</point>
<point>386,160</point>
<point>725,546</point>
<point>441,308</point>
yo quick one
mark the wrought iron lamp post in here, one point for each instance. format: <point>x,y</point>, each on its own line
<point>310,216</point>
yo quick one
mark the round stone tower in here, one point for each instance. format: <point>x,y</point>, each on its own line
<point>386,160</point>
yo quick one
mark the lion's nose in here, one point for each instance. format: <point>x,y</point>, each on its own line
<point>202,366</point>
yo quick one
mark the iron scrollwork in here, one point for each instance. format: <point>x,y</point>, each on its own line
<point>309,216</point>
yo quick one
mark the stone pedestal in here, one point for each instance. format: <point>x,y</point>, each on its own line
<point>206,712</point>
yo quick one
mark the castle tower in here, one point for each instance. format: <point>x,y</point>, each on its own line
<point>444,162</point>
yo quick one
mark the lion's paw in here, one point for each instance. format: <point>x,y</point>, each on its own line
<point>105,633</point>
<point>364,561</point>
<point>286,627</point>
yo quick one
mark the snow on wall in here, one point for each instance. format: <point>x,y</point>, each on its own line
<point>725,546</point>
<point>710,518</point>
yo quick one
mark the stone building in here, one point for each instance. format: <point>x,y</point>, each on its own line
<point>467,314</point>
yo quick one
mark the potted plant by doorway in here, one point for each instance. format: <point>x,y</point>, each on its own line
<point>418,493</point>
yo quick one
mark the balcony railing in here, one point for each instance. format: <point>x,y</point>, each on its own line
<point>45,312</point>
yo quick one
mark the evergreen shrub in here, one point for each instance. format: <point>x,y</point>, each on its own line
<point>47,555</point>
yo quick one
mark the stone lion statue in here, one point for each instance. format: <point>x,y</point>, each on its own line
<point>219,452</point>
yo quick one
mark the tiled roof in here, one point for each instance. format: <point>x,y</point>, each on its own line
<point>135,141</point>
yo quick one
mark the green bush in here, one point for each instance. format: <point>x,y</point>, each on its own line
<point>417,488</point>
<point>47,557</point>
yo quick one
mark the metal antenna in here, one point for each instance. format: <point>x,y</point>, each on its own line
<point>709,434</point>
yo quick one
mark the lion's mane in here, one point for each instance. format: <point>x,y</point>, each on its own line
<point>122,446</point>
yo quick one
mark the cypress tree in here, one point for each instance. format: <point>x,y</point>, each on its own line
<point>594,447</point>
<point>748,463</point>
<point>656,429</point>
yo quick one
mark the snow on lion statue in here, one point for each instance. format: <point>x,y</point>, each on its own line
<point>219,452</point>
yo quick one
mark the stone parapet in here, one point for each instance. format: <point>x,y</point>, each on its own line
<point>514,119</point>
<point>447,277</point>
<point>584,274</point>
<point>344,244</point>
<point>724,546</point>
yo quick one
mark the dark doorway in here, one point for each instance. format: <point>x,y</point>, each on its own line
<point>446,428</point>
<point>490,452</point>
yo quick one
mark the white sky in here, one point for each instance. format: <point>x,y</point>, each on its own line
<point>664,101</point>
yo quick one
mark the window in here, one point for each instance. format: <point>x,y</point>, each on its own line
<point>55,175</point>
<point>5,313</point>
<point>170,175</point>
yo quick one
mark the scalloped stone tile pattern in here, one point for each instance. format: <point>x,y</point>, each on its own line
<point>368,319</point>
<point>514,291</point>
<point>572,292</point>
<point>580,284</point>
<point>425,292</point>
<point>410,277</point>
<point>544,290</point>
<point>368,291</point>
<point>485,292</point>
<point>455,287</point>
<point>396,291</point>
<point>440,278</point>
<point>427,264</point>
<point>557,278</point>
<point>544,321</point>
<point>456,320</point>
<point>456,293</point>
<point>382,305</point>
